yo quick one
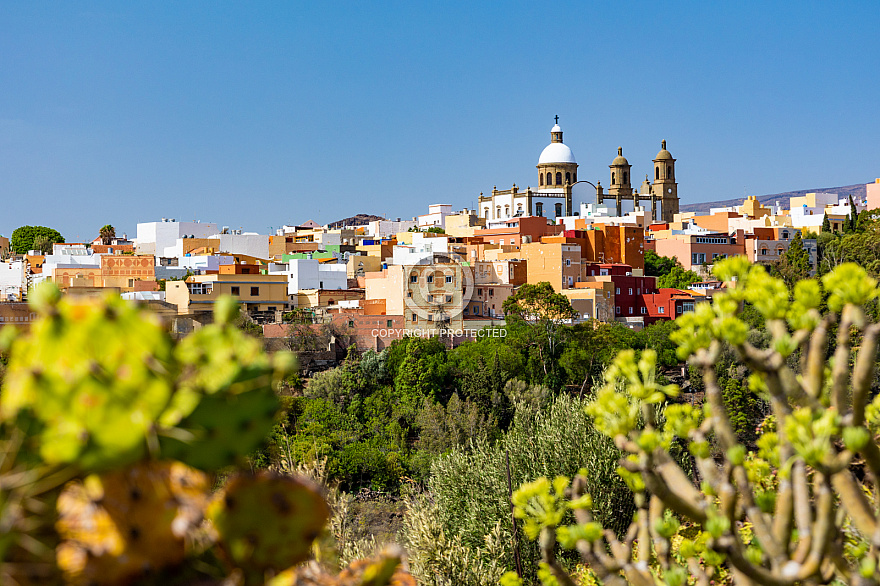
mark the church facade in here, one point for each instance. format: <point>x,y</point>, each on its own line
<point>557,174</point>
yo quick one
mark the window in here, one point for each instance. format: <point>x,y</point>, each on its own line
<point>558,178</point>
<point>638,291</point>
<point>712,240</point>
<point>449,299</point>
<point>678,309</point>
<point>687,306</point>
<point>415,317</point>
<point>409,294</point>
<point>644,311</point>
<point>656,172</point>
<point>540,178</point>
<point>785,235</point>
<point>568,262</point>
<point>625,177</point>
<point>669,171</point>
<point>617,310</point>
<point>539,209</point>
<point>549,179</point>
<point>764,251</point>
<point>448,278</point>
<point>617,291</point>
<point>320,285</point>
<point>661,310</point>
<point>491,292</point>
<point>465,310</point>
<point>568,177</point>
<point>351,323</point>
<point>613,180</point>
<point>234,291</point>
<point>558,210</point>
<point>429,298</point>
<point>389,323</point>
<point>131,282</point>
<point>430,278</point>
<point>630,291</point>
<point>430,318</point>
<point>255,291</point>
<point>413,279</point>
<point>630,310</point>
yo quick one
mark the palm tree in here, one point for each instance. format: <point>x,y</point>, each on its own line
<point>107,233</point>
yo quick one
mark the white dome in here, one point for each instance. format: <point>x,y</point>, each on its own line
<point>556,152</point>
<point>556,129</point>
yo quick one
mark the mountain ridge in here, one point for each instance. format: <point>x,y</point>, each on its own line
<point>858,191</point>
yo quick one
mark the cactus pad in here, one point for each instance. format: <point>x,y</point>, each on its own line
<point>267,522</point>
<point>119,525</point>
<point>95,375</point>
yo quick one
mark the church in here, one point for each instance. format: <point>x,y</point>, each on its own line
<point>557,175</point>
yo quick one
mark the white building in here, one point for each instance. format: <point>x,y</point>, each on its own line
<point>311,274</point>
<point>436,216</point>
<point>155,237</point>
<point>204,262</point>
<point>388,228</point>
<point>13,280</point>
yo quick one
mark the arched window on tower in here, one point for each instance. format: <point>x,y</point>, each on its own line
<point>558,178</point>
<point>558,210</point>
<point>625,178</point>
<point>669,171</point>
<point>540,178</point>
<point>567,177</point>
<point>656,172</point>
<point>612,179</point>
<point>549,179</point>
<point>575,177</point>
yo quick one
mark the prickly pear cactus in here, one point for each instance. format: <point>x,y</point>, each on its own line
<point>96,375</point>
<point>385,569</point>
<point>117,526</point>
<point>267,522</point>
<point>226,404</point>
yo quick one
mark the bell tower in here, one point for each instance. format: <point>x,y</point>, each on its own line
<point>620,187</point>
<point>665,189</point>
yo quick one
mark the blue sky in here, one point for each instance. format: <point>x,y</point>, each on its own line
<point>258,114</point>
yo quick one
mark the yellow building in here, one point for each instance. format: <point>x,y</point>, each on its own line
<point>257,293</point>
<point>593,300</point>
<point>752,208</point>
<point>463,224</point>
<point>360,265</point>
<point>558,264</point>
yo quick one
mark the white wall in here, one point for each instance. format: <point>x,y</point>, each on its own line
<point>13,280</point>
<point>155,237</point>
<point>311,274</point>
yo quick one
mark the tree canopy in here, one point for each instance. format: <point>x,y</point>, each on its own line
<point>678,278</point>
<point>23,237</point>
<point>658,266</point>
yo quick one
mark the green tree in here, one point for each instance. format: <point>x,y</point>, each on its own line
<point>42,245</point>
<point>678,278</point>
<point>826,224</point>
<point>795,262</point>
<point>107,234</point>
<point>658,266</point>
<point>543,311</point>
<point>798,509</point>
<point>23,237</point>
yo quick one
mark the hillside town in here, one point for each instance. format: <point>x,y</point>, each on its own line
<point>447,272</point>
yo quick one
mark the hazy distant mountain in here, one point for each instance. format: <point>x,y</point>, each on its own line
<point>356,220</point>
<point>857,191</point>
